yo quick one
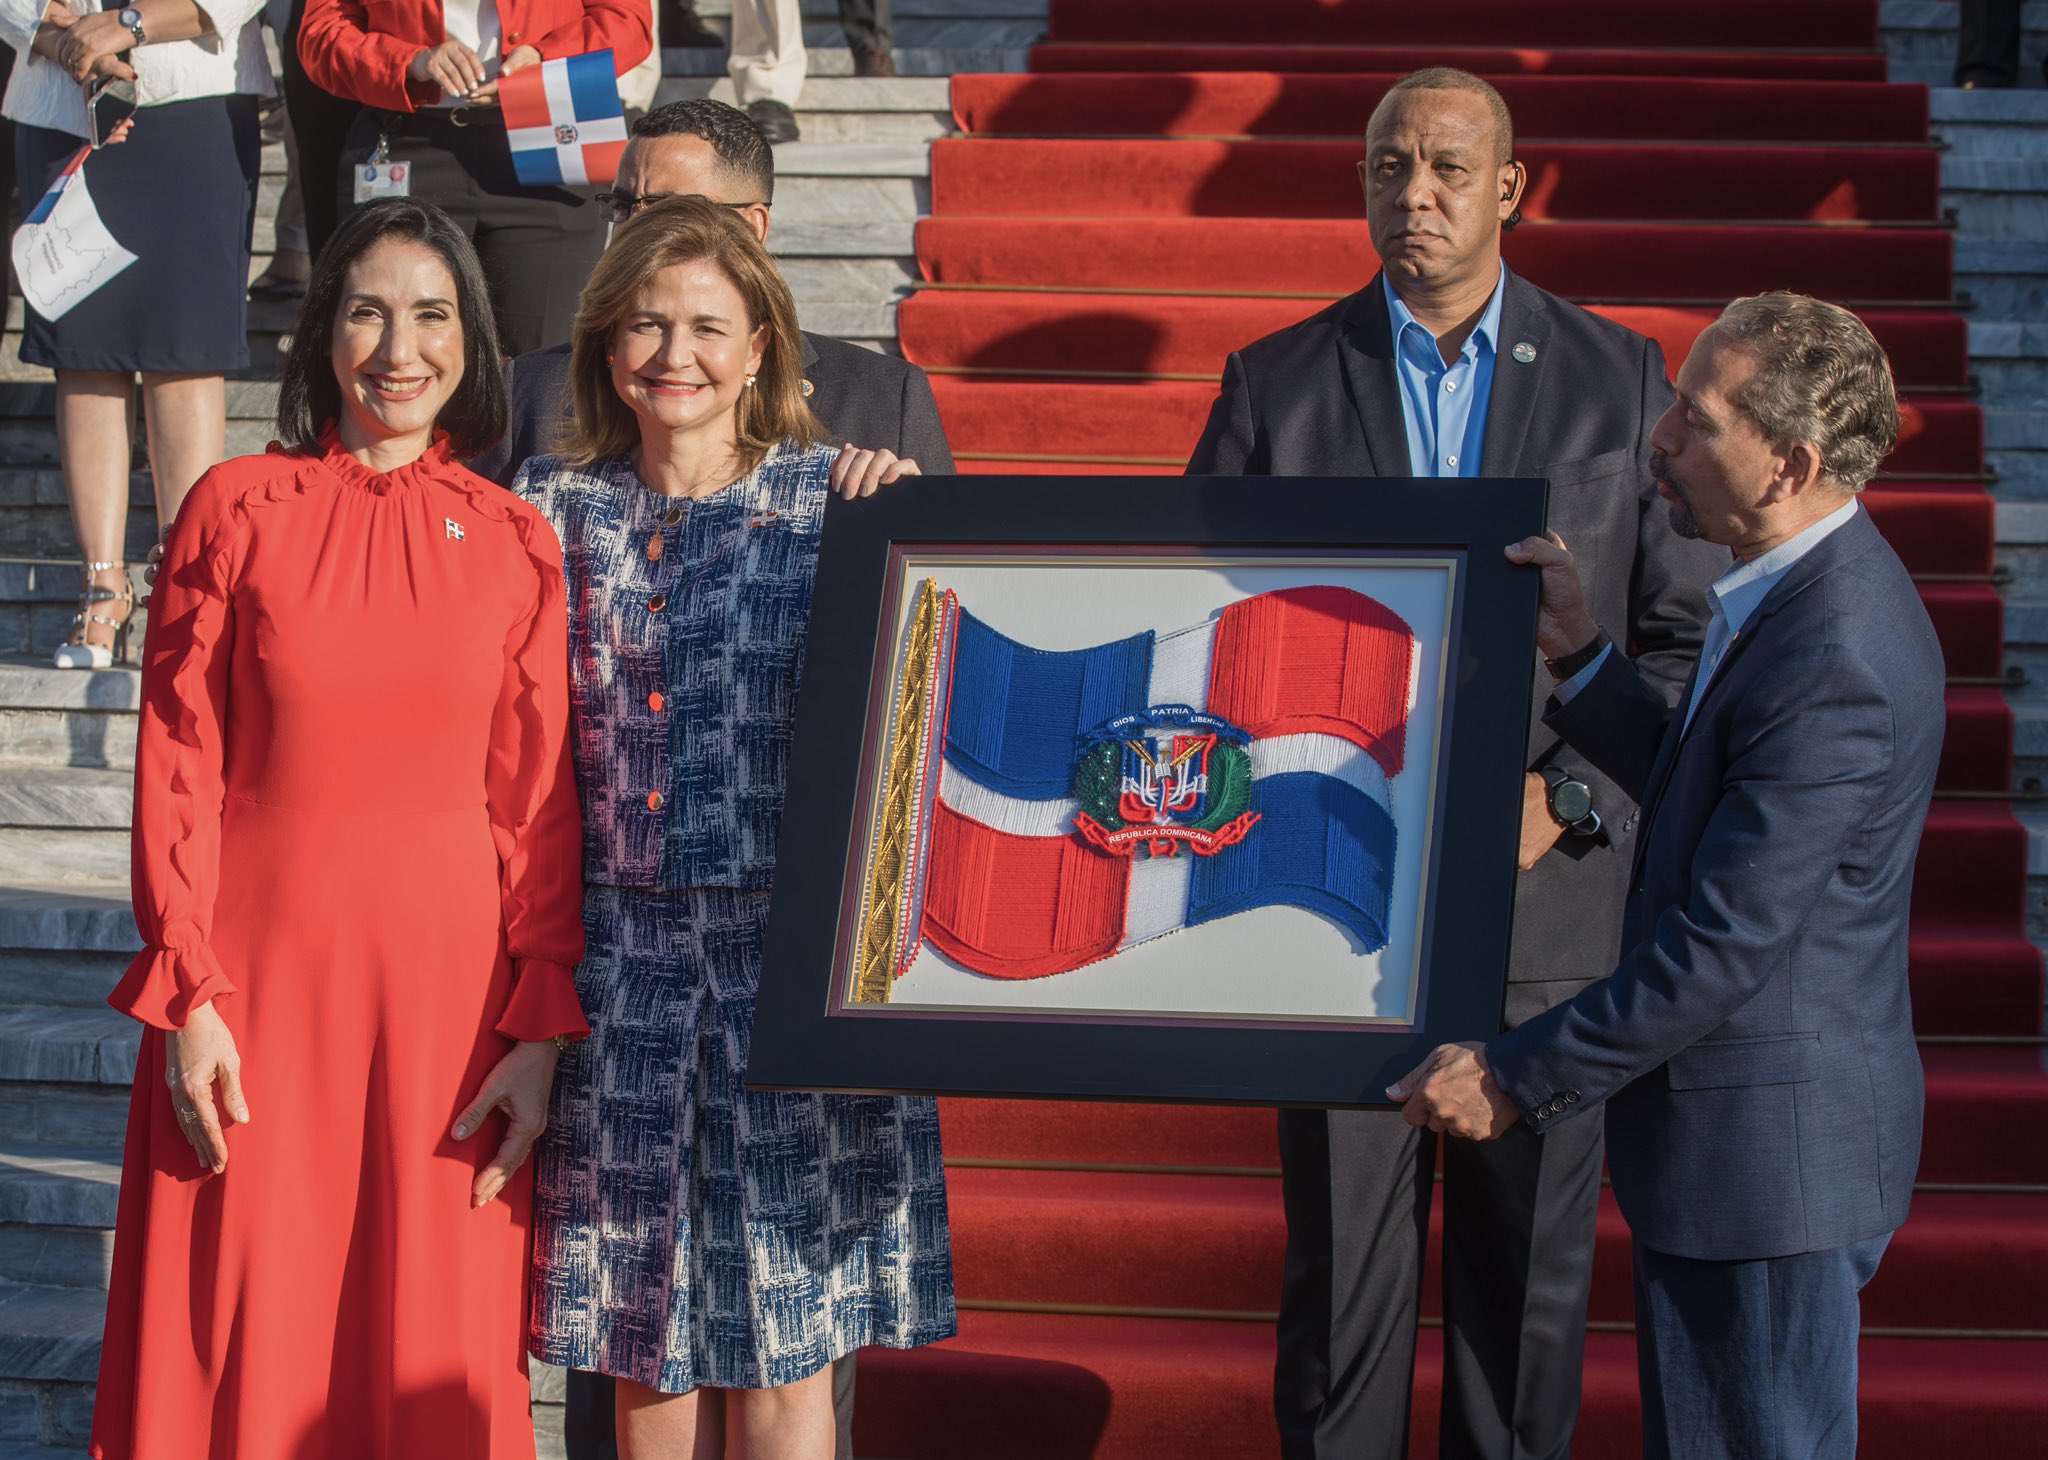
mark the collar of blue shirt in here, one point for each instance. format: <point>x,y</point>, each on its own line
<point>1736,594</point>
<point>1410,333</point>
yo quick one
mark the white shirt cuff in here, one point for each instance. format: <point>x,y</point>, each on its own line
<point>1584,677</point>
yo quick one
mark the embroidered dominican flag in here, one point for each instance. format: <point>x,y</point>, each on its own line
<point>1068,805</point>
<point>564,121</point>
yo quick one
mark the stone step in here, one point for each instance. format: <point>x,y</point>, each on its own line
<point>44,532</point>
<point>1919,38</point>
<point>63,856</point>
<point>68,1045</point>
<point>53,976</point>
<point>1997,197</point>
<point>1006,46</point>
<point>29,441</point>
<point>91,738</point>
<point>68,918</point>
<point>901,109</point>
<point>2017,430</point>
<point>2021,475</point>
<point>52,716</point>
<point>29,399</point>
<point>65,798</point>
<point>1989,123</point>
<point>2006,296</point>
<point>42,1114</point>
<point>53,1256</point>
<point>50,1332</point>
<point>28,684</point>
<point>2011,384</point>
<point>41,1185</point>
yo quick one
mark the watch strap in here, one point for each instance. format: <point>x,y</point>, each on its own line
<point>1566,665</point>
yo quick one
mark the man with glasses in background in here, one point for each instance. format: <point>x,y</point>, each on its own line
<point>867,400</point>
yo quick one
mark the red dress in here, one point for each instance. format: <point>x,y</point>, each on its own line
<point>356,831</point>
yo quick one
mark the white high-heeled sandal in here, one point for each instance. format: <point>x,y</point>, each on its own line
<point>81,654</point>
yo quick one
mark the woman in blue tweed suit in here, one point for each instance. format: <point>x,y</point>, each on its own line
<point>693,1235</point>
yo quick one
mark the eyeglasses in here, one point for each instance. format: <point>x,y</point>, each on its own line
<point>618,207</point>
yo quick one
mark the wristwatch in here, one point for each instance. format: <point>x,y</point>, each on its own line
<point>1566,665</point>
<point>132,18</point>
<point>1571,803</point>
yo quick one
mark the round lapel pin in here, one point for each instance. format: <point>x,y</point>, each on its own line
<point>1525,353</point>
<point>808,387</point>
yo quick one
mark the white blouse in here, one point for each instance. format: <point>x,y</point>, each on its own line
<point>231,60</point>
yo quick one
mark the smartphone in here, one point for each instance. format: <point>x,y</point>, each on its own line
<point>109,103</point>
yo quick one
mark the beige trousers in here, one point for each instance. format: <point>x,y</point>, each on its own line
<point>767,51</point>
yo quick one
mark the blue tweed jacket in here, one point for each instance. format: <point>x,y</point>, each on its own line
<point>686,642</point>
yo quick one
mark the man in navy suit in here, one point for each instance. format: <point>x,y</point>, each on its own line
<point>1754,1049</point>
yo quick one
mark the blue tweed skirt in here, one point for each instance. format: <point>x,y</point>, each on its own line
<point>689,1231</point>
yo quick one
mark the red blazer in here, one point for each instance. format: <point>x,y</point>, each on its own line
<point>359,49</point>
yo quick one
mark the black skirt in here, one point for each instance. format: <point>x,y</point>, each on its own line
<point>179,194</point>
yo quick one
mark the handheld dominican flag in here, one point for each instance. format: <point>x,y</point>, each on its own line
<point>1055,808</point>
<point>48,203</point>
<point>564,121</point>
<point>63,252</point>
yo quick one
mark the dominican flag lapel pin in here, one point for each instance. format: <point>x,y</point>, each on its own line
<point>564,121</point>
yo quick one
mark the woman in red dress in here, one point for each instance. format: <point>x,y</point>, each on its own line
<point>357,874</point>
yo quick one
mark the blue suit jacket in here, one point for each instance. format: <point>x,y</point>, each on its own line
<point>1755,1045</point>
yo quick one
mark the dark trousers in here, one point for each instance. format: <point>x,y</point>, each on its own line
<point>590,1432</point>
<point>538,245</point>
<point>319,121</point>
<point>1988,42</point>
<point>866,23</point>
<point>1751,1360</point>
<point>1518,1263</point>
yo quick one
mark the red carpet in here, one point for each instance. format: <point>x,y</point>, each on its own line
<point>1159,420</point>
<point>1323,257</point>
<point>1826,24</point>
<point>1855,64</point>
<point>1249,103</point>
<point>1143,335</point>
<point>1165,188</point>
<point>1317,178</point>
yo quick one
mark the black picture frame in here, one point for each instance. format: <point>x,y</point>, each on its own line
<point>804,1037</point>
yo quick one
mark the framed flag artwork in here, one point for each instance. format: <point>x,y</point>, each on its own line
<point>1197,789</point>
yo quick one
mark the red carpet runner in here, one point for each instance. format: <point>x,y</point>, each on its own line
<point>1158,192</point>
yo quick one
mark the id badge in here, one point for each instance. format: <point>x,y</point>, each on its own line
<point>382,180</point>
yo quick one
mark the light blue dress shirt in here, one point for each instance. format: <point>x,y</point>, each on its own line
<point>1731,600</point>
<point>1444,406</point>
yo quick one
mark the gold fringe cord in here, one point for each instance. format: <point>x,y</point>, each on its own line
<point>894,853</point>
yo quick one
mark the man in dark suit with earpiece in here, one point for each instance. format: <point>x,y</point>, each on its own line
<point>1447,364</point>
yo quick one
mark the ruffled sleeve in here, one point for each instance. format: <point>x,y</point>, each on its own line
<point>178,759</point>
<point>535,816</point>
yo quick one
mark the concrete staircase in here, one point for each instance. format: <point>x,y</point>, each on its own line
<point>1995,180</point>
<point>66,1059</point>
<point>846,205</point>
<point>847,200</point>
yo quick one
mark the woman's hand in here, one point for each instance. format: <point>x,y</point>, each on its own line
<point>518,1084</point>
<point>92,38</point>
<point>857,472</point>
<point>452,66</point>
<point>517,59</point>
<point>196,1056</point>
<point>49,33</point>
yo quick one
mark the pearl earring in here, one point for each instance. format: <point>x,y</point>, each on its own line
<point>750,381</point>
